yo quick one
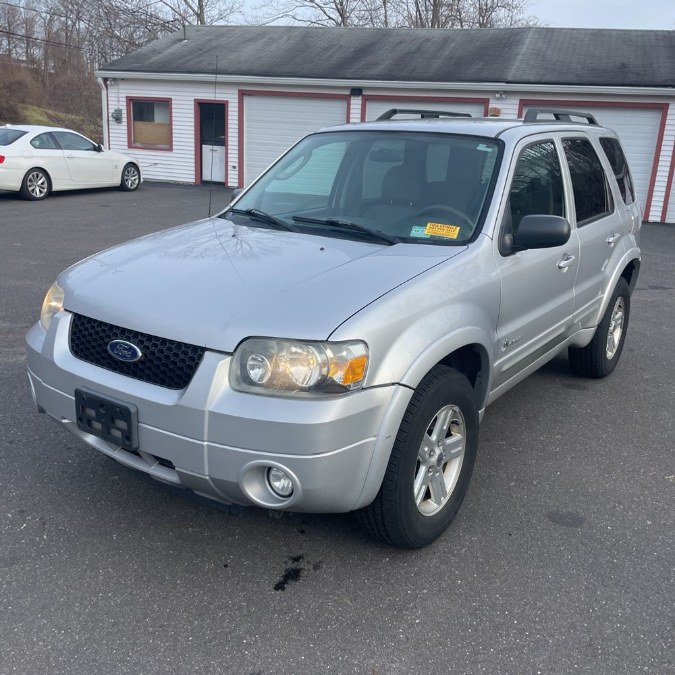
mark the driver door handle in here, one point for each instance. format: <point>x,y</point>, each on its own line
<point>613,238</point>
<point>566,261</point>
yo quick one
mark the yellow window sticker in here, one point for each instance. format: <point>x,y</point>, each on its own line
<point>442,230</point>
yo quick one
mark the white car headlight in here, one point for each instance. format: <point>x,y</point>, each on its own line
<point>53,303</point>
<point>294,367</point>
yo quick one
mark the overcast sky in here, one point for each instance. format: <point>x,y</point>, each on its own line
<point>605,13</point>
<point>654,14</point>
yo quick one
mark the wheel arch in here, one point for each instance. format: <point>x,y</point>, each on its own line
<point>133,162</point>
<point>472,361</point>
<point>465,350</point>
<point>628,269</point>
<point>630,273</point>
<point>50,180</point>
<point>46,173</point>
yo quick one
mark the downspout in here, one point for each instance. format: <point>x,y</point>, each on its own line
<point>103,84</point>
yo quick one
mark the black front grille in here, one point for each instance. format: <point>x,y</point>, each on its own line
<point>166,363</point>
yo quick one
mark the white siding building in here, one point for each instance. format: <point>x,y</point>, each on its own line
<point>187,120</point>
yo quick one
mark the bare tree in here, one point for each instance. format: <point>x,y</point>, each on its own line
<point>327,13</point>
<point>396,13</point>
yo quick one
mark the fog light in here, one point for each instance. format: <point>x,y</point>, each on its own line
<point>280,482</point>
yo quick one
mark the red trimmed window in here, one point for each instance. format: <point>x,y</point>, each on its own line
<point>150,123</point>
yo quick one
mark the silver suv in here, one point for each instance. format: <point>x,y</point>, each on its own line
<point>329,342</point>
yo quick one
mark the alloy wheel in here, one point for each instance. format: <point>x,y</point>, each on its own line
<point>615,328</point>
<point>439,460</point>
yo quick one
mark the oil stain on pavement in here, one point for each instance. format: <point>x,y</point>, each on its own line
<point>296,568</point>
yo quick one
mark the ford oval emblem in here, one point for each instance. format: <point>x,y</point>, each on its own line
<point>124,351</point>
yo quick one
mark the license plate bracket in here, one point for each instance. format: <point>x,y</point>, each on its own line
<point>114,421</point>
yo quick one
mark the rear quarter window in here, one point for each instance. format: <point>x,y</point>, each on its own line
<point>8,136</point>
<point>619,165</point>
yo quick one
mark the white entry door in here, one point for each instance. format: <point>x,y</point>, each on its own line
<point>213,163</point>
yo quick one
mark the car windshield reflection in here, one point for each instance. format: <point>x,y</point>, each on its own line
<point>408,187</point>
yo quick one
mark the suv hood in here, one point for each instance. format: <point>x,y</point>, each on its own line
<point>214,283</point>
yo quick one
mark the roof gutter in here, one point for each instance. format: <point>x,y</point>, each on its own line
<point>389,84</point>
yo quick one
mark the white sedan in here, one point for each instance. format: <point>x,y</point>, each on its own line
<point>37,160</point>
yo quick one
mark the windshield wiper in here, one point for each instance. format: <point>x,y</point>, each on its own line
<point>261,216</point>
<point>347,226</point>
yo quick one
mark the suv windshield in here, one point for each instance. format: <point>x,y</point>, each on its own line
<point>8,136</point>
<point>413,187</point>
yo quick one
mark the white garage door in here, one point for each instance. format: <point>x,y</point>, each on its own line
<point>374,108</point>
<point>273,123</point>
<point>638,130</point>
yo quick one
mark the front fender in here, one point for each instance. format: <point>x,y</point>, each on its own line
<point>415,326</point>
<point>474,336</point>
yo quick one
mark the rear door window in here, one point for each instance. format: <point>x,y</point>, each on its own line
<point>619,165</point>
<point>592,198</point>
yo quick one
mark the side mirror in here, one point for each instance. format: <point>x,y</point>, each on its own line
<point>235,193</point>
<point>541,232</point>
<point>98,147</point>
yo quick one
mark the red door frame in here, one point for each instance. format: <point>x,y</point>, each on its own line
<point>669,186</point>
<point>288,94</point>
<point>663,107</point>
<point>198,133</point>
<point>424,99</point>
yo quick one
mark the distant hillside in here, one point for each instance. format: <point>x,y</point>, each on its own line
<point>30,114</point>
<point>66,98</point>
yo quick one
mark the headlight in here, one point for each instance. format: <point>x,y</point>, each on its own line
<point>52,304</point>
<point>292,366</point>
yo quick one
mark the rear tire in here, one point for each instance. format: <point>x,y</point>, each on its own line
<point>35,185</point>
<point>601,355</point>
<point>131,178</point>
<point>430,465</point>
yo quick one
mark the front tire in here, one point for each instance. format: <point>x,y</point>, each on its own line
<point>131,178</point>
<point>600,356</point>
<point>430,465</point>
<point>35,185</point>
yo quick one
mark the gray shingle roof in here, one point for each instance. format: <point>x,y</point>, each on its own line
<point>575,56</point>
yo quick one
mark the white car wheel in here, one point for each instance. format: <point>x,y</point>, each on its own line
<point>131,178</point>
<point>35,185</point>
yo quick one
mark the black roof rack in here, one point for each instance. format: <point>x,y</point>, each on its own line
<point>424,114</point>
<point>532,115</point>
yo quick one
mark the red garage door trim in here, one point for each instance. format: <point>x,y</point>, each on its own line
<point>422,99</point>
<point>288,94</point>
<point>198,164</point>
<point>663,107</point>
<point>669,186</point>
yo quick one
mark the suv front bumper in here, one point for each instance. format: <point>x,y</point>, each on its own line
<point>220,443</point>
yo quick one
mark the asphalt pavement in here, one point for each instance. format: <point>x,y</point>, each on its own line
<point>560,560</point>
